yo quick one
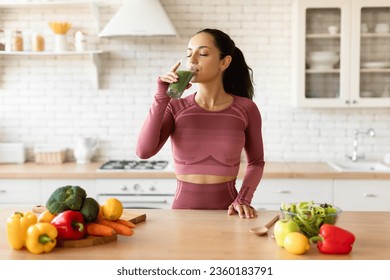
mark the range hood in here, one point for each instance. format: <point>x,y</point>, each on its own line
<point>139,18</point>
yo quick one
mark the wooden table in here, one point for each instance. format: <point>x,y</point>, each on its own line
<point>212,235</point>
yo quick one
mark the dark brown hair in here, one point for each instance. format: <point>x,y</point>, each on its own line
<point>238,77</point>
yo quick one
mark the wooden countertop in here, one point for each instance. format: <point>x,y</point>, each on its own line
<point>212,235</point>
<point>275,170</point>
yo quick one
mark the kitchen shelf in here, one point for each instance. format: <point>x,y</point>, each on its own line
<point>314,71</point>
<point>363,35</point>
<point>93,5</point>
<point>375,35</point>
<point>375,70</point>
<point>322,35</point>
<point>93,54</point>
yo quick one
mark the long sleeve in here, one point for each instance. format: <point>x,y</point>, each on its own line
<point>158,125</point>
<point>255,158</point>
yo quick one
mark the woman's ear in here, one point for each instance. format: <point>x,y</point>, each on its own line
<point>225,62</point>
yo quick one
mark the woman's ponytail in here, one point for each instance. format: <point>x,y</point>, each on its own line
<point>237,78</point>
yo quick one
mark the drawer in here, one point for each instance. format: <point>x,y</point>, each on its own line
<point>275,191</point>
<point>362,195</point>
<point>20,191</point>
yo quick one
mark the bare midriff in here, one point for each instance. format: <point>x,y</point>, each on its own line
<point>204,179</point>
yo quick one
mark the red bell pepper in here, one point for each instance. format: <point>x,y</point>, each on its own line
<point>70,225</point>
<point>334,240</point>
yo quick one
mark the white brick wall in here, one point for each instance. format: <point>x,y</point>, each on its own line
<point>50,100</point>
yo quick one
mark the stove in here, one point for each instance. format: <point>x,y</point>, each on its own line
<point>133,165</point>
<point>138,192</point>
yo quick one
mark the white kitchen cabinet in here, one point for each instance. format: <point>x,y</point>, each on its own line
<point>272,192</point>
<point>94,55</point>
<point>48,186</point>
<point>19,192</point>
<point>361,76</point>
<point>362,195</point>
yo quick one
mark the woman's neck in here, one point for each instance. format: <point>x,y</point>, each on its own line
<point>213,97</point>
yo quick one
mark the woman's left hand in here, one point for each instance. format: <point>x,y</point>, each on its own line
<point>244,211</point>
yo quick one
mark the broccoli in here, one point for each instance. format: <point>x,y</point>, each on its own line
<point>66,198</point>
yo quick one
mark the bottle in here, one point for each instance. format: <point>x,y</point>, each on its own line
<point>17,41</point>
<point>80,41</point>
<point>2,40</point>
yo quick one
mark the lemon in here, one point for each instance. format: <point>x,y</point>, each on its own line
<point>112,209</point>
<point>296,243</point>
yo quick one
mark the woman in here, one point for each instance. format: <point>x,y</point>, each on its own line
<point>209,128</point>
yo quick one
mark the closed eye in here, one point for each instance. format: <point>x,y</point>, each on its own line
<point>189,55</point>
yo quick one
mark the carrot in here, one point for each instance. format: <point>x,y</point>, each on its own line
<point>119,229</point>
<point>99,229</point>
<point>100,213</point>
<point>126,223</point>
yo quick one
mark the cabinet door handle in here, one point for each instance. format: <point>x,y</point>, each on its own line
<point>3,191</point>
<point>283,191</point>
<point>369,195</point>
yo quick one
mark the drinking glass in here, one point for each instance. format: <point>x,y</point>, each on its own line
<point>185,73</point>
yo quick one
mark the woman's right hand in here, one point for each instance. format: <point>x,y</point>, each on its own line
<point>171,76</point>
<point>244,211</point>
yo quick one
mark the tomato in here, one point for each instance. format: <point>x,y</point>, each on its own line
<point>296,243</point>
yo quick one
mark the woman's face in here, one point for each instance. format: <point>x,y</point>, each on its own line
<point>205,56</point>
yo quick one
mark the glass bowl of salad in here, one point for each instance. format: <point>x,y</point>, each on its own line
<point>310,216</point>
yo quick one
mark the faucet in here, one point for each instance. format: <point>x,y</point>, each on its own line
<point>355,156</point>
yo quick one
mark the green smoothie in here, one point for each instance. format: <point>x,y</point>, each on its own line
<point>176,89</point>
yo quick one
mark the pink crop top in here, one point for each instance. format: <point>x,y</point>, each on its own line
<point>206,142</point>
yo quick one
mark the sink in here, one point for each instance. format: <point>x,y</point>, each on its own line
<point>359,166</point>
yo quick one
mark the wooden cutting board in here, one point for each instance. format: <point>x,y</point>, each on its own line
<point>94,240</point>
<point>86,242</point>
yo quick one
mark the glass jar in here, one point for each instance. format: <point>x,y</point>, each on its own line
<point>2,40</point>
<point>38,42</point>
<point>17,41</point>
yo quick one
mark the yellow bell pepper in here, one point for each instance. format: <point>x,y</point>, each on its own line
<point>41,238</point>
<point>17,225</point>
<point>46,217</point>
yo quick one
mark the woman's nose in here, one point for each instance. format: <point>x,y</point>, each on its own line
<point>192,59</point>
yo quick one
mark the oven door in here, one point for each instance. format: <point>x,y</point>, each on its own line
<point>137,201</point>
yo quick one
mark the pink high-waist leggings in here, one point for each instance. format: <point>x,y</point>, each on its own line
<point>201,196</point>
